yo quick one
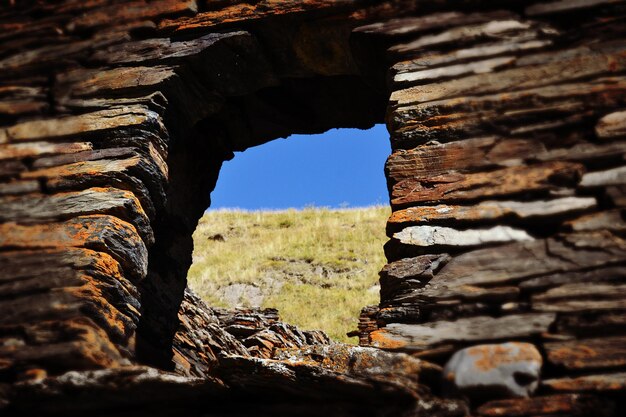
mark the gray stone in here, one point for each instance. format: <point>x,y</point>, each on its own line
<point>499,370</point>
<point>242,295</point>
<point>440,235</point>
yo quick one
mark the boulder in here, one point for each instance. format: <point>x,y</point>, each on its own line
<point>499,370</point>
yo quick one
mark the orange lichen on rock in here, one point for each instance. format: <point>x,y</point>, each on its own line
<point>494,371</point>
<point>506,122</point>
<point>244,12</point>
<point>53,345</point>
<point>588,383</point>
<point>38,149</point>
<point>565,404</point>
<point>492,356</point>
<point>92,295</point>
<point>381,339</point>
<point>95,346</point>
<point>503,182</point>
<point>100,232</point>
<point>597,353</point>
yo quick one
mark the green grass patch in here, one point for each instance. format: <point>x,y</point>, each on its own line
<point>317,266</point>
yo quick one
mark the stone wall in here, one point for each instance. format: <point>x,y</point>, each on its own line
<point>505,180</point>
<point>506,183</point>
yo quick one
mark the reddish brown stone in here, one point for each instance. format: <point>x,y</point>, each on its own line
<point>565,404</point>
<point>601,353</point>
<point>103,233</point>
<point>469,187</point>
<point>573,65</point>
<point>588,383</point>
<point>39,149</point>
<point>132,116</point>
<point>135,10</point>
<point>115,118</point>
<point>489,211</point>
<point>244,12</point>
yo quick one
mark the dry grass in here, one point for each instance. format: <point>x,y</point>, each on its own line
<point>317,266</point>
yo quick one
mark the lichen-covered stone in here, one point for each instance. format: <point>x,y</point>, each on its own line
<point>506,184</point>
<point>491,371</point>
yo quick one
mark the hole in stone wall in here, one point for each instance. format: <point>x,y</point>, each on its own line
<point>298,225</point>
<point>296,105</point>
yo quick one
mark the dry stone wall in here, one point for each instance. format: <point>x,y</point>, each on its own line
<point>506,182</point>
<point>505,186</point>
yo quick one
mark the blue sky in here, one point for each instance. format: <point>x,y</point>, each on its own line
<point>339,168</point>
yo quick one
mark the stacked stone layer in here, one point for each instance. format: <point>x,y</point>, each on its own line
<point>507,193</point>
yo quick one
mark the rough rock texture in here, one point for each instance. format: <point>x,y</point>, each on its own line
<point>486,371</point>
<point>507,183</point>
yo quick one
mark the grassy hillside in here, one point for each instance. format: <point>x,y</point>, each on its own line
<point>317,266</point>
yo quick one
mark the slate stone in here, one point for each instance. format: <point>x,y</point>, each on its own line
<point>507,123</point>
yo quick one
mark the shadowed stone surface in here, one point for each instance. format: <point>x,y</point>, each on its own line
<point>506,183</point>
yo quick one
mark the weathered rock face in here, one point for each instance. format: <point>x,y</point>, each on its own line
<point>242,362</point>
<point>506,181</point>
<point>488,371</point>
